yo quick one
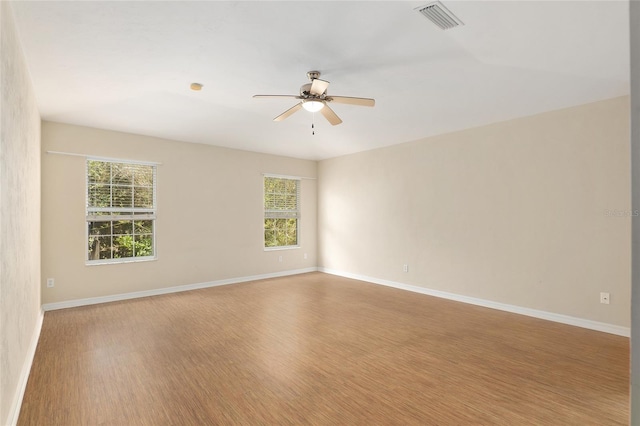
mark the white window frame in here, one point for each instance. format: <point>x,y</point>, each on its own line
<point>278,214</point>
<point>142,214</point>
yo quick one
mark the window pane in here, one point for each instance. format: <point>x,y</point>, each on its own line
<point>268,185</point>
<point>270,238</point>
<point>142,197</point>
<point>122,227</point>
<point>278,185</point>
<point>143,227</point>
<point>292,231</point>
<point>281,238</point>
<point>291,202</point>
<point>269,201</point>
<point>99,172</point>
<point>122,196</point>
<point>291,185</point>
<point>122,174</point>
<point>99,248</point>
<point>278,201</point>
<point>99,228</point>
<point>99,195</point>
<point>143,176</point>
<point>122,246</point>
<point>143,245</point>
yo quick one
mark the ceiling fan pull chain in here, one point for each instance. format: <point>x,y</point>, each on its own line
<point>313,127</point>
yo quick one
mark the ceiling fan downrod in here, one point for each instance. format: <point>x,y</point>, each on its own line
<point>312,75</point>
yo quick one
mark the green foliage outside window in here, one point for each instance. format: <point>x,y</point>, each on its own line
<point>119,185</point>
<point>120,210</point>
<point>120,239</point>
<point>281,206</point>
<point>280,232</point>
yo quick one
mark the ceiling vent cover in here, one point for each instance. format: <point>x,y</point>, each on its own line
<point>440,15</point>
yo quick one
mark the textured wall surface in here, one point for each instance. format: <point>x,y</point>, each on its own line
<point>635,183</point>
<point>533,212</point>
<point>19,216</point>
<point>210,214</point>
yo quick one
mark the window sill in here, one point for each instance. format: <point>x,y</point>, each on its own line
<point>281,248</point>
<point>119,261</point>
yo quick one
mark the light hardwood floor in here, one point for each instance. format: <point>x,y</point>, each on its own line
<point>319,349</point>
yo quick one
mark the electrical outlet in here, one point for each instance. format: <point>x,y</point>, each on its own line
<point>305,255</point>
<point>50,282</point>
<point>279,258</point>
<point>604,298</point>
<point>405,267</point>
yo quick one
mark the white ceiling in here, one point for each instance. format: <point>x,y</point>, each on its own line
<point>127,66</point>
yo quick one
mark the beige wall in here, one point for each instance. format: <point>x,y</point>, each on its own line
<point>513,212</point>
<point>19,218</point>
<point>209,220</point>
<point>634,30</point>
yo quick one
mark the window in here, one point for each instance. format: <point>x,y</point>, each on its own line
<point>281,212</point>
<point>121,211</point>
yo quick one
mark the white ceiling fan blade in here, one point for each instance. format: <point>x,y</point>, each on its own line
<point>289,112</point>
<point>352,101</point>
<point>330,115</point>
<point>318,87</point>
<point>276,96</point>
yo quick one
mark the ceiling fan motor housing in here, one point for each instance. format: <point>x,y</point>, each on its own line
<point>305,91</point>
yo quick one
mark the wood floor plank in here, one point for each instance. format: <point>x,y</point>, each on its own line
<point>319,349</point>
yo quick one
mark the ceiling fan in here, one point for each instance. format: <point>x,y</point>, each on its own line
<point>313,97</point>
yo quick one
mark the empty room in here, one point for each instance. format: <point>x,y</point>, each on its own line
<point>319,212</point>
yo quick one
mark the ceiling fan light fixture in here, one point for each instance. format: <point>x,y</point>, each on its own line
<point>313,106</point>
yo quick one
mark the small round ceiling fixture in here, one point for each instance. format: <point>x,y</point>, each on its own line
<point>196,86</point>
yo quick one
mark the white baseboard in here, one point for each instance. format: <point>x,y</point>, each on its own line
<point>156,292</point>
<point>14,410</point>
<point>550,316</point>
